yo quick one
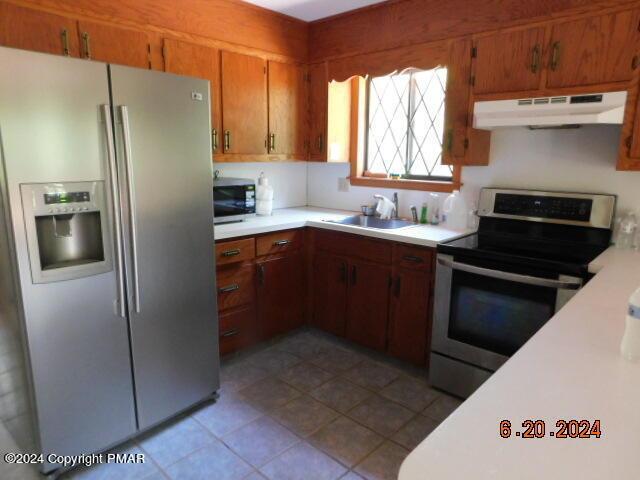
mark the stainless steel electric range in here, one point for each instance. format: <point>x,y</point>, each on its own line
<point>496,288</point>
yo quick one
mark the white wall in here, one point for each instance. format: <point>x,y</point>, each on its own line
<point>289,179</point>
<point>581,160</point>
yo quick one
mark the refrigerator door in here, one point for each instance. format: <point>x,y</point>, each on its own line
<point>164,156</point>
<point>53,131</point>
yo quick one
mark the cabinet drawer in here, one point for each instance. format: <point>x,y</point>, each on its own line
<point>414,258</point>
<point>279,242</point>
<point>237,330</point>
<point>353,246</point>
<point>236,286</point>
<point>235,251</point>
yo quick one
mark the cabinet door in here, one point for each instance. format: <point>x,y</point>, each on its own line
<point>330,293</point>
<point>237,329</point>
<point>508,62</point>
<point>594,50</point>
<point>281,294</point>
<point>107,43</point>
<point>244,104</point>
<point>287,109</point>
<point>410,318</point>
<point>318,111</point>
<point>39,31</point>
<point>368,304</point>
<point>198,61</point>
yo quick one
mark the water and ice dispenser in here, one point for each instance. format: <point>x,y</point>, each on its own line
<point>67,230</point>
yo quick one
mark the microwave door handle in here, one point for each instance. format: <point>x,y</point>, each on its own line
<point>512,277</point>
<point>126,136</point>
<point>115,199</point>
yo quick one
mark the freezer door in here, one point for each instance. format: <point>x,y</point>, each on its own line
<point>53,130</point>
<point>164,157</point>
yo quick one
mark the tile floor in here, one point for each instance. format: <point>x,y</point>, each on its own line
<point>305,406</point>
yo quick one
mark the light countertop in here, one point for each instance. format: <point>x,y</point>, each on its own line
<point>287,218</point>
<point>571,369</point>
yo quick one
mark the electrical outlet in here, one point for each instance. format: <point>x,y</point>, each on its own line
<point>343,184</point>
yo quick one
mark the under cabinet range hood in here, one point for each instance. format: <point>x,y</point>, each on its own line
<point>551,112</point>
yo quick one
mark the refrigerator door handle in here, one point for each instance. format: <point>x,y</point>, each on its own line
<point>126,136</point>
<point>115,198</point>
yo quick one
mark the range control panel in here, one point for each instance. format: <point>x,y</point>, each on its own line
<point>560,208</point>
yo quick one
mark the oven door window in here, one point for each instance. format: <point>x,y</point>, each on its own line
<point>230,201</point>
<point>497,315</point>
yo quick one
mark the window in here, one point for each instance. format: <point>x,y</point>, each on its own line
<point>405,125</point>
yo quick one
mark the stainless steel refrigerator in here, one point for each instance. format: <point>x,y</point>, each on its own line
<point>108,322</point>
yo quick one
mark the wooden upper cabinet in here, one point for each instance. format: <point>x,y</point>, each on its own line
<point>198,61</point>
<point>287,109</point>
<point>244,104</point>
<point>107,43</point>
<point>594,50</point>
<point>508,62</point>
<point>39,31</point>
<point>318,110</point>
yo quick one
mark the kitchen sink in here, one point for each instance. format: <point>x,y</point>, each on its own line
<point>373,222</point>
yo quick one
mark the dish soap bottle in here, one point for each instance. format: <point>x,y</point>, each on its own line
<point>264,196</point>
<point>630,347</point>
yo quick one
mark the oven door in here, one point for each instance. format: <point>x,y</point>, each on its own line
<point>485,311</point>
<point>233,202</point>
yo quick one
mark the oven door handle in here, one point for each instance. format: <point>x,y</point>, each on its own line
<point>512,277</point>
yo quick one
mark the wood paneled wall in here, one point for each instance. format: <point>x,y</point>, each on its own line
<point>399,23</point>
<point>231,21</point>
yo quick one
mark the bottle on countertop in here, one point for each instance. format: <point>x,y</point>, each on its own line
<point>630,346</point>
<point>424,218</point>
<point>264,196</point>
<point>434,209</point>
<point>455,212</point>
<point>626,231</point>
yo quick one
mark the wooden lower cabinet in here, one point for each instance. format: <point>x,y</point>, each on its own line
<point>281,293</point>
<point>237,329</point>
<point>330,293</point>
<point>410,315</point>
<point>368,304</point>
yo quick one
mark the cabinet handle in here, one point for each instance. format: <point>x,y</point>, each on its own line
<point>261,275</point>
<point>354,275</point>
<point>412,258</point>
<point>535,59</point>
<point>214,139</point>
<point>320,143</point>
<point>229,289</point>
<point>280,243</point>
<point>450,140</point>
<point>272,142</point>
<point>635,62</point>
<point>231,253</point>
<point>86,42</point>
<point>227,140</point>
<point>65,42</point>
<point>230,333</point>
<point>555,56</point>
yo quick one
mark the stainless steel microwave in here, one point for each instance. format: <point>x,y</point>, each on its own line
<point>234,199</point>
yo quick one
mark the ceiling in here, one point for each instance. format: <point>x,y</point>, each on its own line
<point>309,10</point>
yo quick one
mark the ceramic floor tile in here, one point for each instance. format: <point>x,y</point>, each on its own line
<point>346,441</point>
<point>269,394</point>
<point>260,441</point>
<point>304,345</point>
<point>381,415</point>
<point>117,471</point>
<point>273,360</point>
<point>305,376</point>
<point>351,476</point>
<point>303,462</point>
<point>214,461</point>
<point>229,413</point>
<point>340,394</point>
<point>255,475</point>
<point>384,463</point>
<point>304,415</point>
<point>442,408</point>
<point>410,392</point>
<point>238,375</point>
<point>172,442</point>
<point>372,375</point>
<point>415,431</point>
<point>337,359</point>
